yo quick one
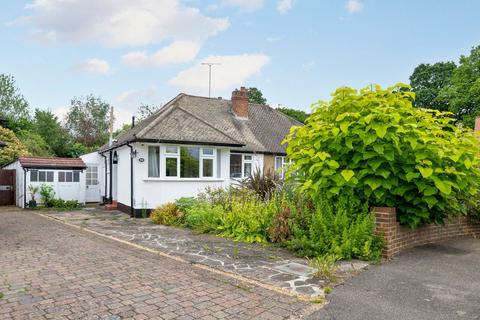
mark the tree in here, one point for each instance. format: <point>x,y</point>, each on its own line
<point>35,143</point>
<point>13,106</point>
<point>298,115</point>
<point>145,110</point>
<point>428,80</point>
<point>88,120</point>
<point>14,147</point>
<point>463,91</point>
<point>256,96</point>
<point>125,127</point>
<point>48,126</point>
<point>375,145</point>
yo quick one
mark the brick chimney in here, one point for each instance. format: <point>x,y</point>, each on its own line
<point>240,102</point>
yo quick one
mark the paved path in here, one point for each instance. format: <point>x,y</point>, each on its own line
<point>52,271</point>
<point>440,281</point>
<point>264,263</point>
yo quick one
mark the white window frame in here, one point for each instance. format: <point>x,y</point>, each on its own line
<point>164,155</point>
<point>38,176</point>
<point>244,161</point>
<point>159,161</point>
<point>280,171</point>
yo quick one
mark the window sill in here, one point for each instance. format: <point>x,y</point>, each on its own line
<point>185,179</point>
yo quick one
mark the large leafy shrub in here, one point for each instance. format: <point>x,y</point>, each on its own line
<point>388,153</point>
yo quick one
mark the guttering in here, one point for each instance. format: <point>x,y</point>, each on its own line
<point>25,170</point>
<point>218,144</point>
<point>110,200</point>
<point>132,210</point>
<point>105,190</point>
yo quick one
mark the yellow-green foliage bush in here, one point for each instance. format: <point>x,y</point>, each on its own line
<point>167,214</point>
<point>374,143</point>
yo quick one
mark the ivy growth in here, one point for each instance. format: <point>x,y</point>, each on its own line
<point>375,143</point>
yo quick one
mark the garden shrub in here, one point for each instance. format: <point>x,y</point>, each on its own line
<point>343,228</point>
<point>47,194</point>
<point>204,217</point>
<point>63,204</point>
<point>376,144</point>
<point>167,214</point>
<point>263,184</point>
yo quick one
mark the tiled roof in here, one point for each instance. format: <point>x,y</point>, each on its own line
<point>54,163</point>
<point>196,119</point>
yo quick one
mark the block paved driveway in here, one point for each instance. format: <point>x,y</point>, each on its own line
<point>52,271</point>
<point>436,281</point>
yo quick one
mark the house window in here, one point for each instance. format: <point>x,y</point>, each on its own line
<point>69,176</point>
<point>91,176</point>
<point>153,161</point>
<point>280,165</point>
<point>241,165</point>
<point>189,162</point>
<point>208,161</point>
<point>41,176</point>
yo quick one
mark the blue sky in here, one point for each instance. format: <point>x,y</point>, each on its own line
<point>295,51</point>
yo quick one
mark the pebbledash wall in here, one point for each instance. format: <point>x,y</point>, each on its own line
<point>398,238</point>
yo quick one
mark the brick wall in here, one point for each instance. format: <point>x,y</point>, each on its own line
<point>398,237</point>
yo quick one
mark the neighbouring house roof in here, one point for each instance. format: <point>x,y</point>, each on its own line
<point>193,119</point>
<point>52,163</point>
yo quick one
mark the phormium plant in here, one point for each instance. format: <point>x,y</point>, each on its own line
<point>375,143</point>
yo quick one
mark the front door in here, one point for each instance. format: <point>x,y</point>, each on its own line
<point>92,193</point>
<point>7,187</point>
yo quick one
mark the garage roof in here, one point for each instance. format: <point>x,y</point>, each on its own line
<point>52,163</point>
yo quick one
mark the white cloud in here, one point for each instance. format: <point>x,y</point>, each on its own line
<point>136,97</point>
<point>273,39</point>
<point>94,66</point>
<point>118,23</point>
<point>309,65</point>
<point>353,6</point>
<point>175,53</point>
<point>244,5</point>
<point>233,70</point>
<point>283,6</point>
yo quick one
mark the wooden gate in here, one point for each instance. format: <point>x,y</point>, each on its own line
<point>7,187</point>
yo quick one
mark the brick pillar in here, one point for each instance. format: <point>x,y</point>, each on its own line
<point>386,226</point>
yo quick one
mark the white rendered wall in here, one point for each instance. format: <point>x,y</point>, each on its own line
<point>95,159</point>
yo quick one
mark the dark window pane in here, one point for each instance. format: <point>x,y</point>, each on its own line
<point>189,162</point>
<point>68,176</point>
<point>171,167</point>
<point>153,161</point>
<point>49,176</point>
<point>207,168</point>
<point>235,165</point>
<point>34,176</point>
<point>61,176</point>
<point>41,176</point>
<point>76,176</point>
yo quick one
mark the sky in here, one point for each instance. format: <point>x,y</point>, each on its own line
<point>296,52</point>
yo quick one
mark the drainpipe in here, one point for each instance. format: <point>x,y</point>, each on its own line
<point>110,200</point>
<point>132,210</point>
<point>105,190</point>
<point>25,187</point>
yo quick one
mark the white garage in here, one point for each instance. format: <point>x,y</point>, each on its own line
<point>66,176</point>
